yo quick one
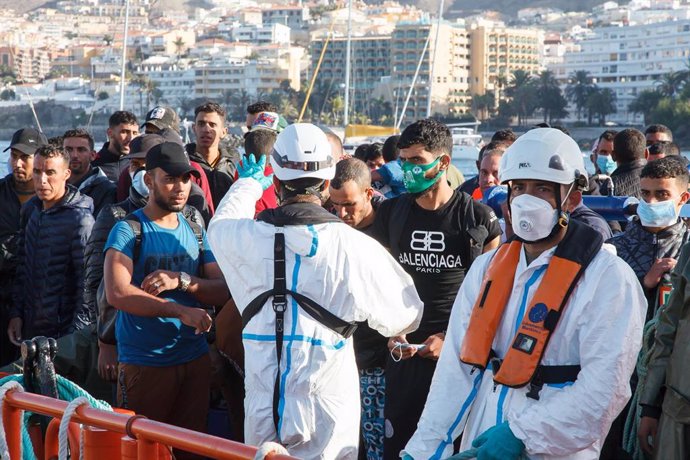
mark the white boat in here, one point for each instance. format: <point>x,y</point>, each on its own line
<point>466,140</point>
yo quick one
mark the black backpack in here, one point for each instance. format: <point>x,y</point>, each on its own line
<point>107,314</point>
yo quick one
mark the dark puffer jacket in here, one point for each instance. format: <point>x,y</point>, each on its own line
<point>111,164</point>
<point>50,276</point>
<point>640,248</point>
<point>626,179</point>
<point>101,190</point>
<point>9,231</point>
<point>94,256</point>
<point>222,175</point>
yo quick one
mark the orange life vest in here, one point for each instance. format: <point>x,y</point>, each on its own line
<point>577,249</point>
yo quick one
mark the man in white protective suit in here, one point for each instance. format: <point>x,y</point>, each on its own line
<point>545,330</point>
<point>301,278</point>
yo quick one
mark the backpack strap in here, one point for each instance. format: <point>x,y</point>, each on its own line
<point>135,224</point>
<point>396,223</point>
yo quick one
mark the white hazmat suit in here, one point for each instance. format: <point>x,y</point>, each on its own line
<point>600,329</point>
<point>344,271</point>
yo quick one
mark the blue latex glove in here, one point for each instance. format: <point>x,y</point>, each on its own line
<point>498,443</point>
<point>253,169</point>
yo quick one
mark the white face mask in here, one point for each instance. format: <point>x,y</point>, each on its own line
<point>139,185</point>
<point>532,217</point>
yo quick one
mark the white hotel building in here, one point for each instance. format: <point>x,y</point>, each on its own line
<point>628,60</point>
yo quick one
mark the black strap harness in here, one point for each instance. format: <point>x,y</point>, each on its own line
<point>293,214</point>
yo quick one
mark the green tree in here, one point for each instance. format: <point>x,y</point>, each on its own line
<point>645,103</point>
<point>522,92</point>
<point>602,103</point>
<point>337,105</point>
<point>179,46</point>
<point>483,105</point>
<point>578,90</point>
<point>671,84</point>
<point>103,95</point>
<point>550,97</point>
<point>8,95</point>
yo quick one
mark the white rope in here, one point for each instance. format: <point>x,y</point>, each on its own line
<point>11,385</point>
<point>63,439</point>
<point>270,448</point>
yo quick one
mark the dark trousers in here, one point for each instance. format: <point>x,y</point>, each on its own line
<point>8,351</point>
<point>407,387</point>
<point>178,395</point>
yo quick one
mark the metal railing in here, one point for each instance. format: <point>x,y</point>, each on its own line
<point>147,434</point>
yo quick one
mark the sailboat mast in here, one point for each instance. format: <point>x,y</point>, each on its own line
<point>124,58</point>
<point>433,60</point>
<point>348,48</point>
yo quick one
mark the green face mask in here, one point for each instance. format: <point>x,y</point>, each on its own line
<point>414,179</point>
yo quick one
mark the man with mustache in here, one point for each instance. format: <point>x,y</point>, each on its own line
<point>15,189</point>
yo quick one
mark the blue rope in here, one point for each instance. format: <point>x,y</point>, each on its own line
<point>67,391</point>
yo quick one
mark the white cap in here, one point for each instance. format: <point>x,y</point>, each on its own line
<point>302,150</point>
<point>546,154</point>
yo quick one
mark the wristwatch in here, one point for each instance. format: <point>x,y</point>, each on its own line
<point>183,282</point>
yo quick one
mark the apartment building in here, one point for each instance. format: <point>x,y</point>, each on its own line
<point>370,62</point>
<point>216,77</point>
<point>449,90</point>
<point>497,51</point>
<point>628,60</point>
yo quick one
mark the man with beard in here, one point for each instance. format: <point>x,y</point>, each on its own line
<point>217,161</point>
<point>159,283</point>
<point>15,189</point>
<point>89,180</point>
<point>435,232</point>
<point>122,128</point>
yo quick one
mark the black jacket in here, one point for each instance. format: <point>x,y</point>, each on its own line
<point>9,232</point>
<point>640,248</point>
<point>49,285</point>
<point>626,179</point>
<point>111,164</point>
<point>94,257</point>
<point>222,175</point>
<point>594,220</point>
<point>97,185</point>
<point>470,185</point>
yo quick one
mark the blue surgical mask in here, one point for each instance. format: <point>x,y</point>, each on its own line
<point>606,164</point>
<point>660,214</point>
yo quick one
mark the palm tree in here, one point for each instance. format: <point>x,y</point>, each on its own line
<point>146,87</point>
<point>483,105</point>
<point>645,103</point>
<point>579,89</point>
<point>550,96</point>
<point>337,106</point>
<point>602,103</point>
<point>179,46</point>
<point>523,94</point>
<point>671,83</point>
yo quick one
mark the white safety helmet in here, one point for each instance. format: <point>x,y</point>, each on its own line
<point>302,150</point>
<point>546,154</point>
